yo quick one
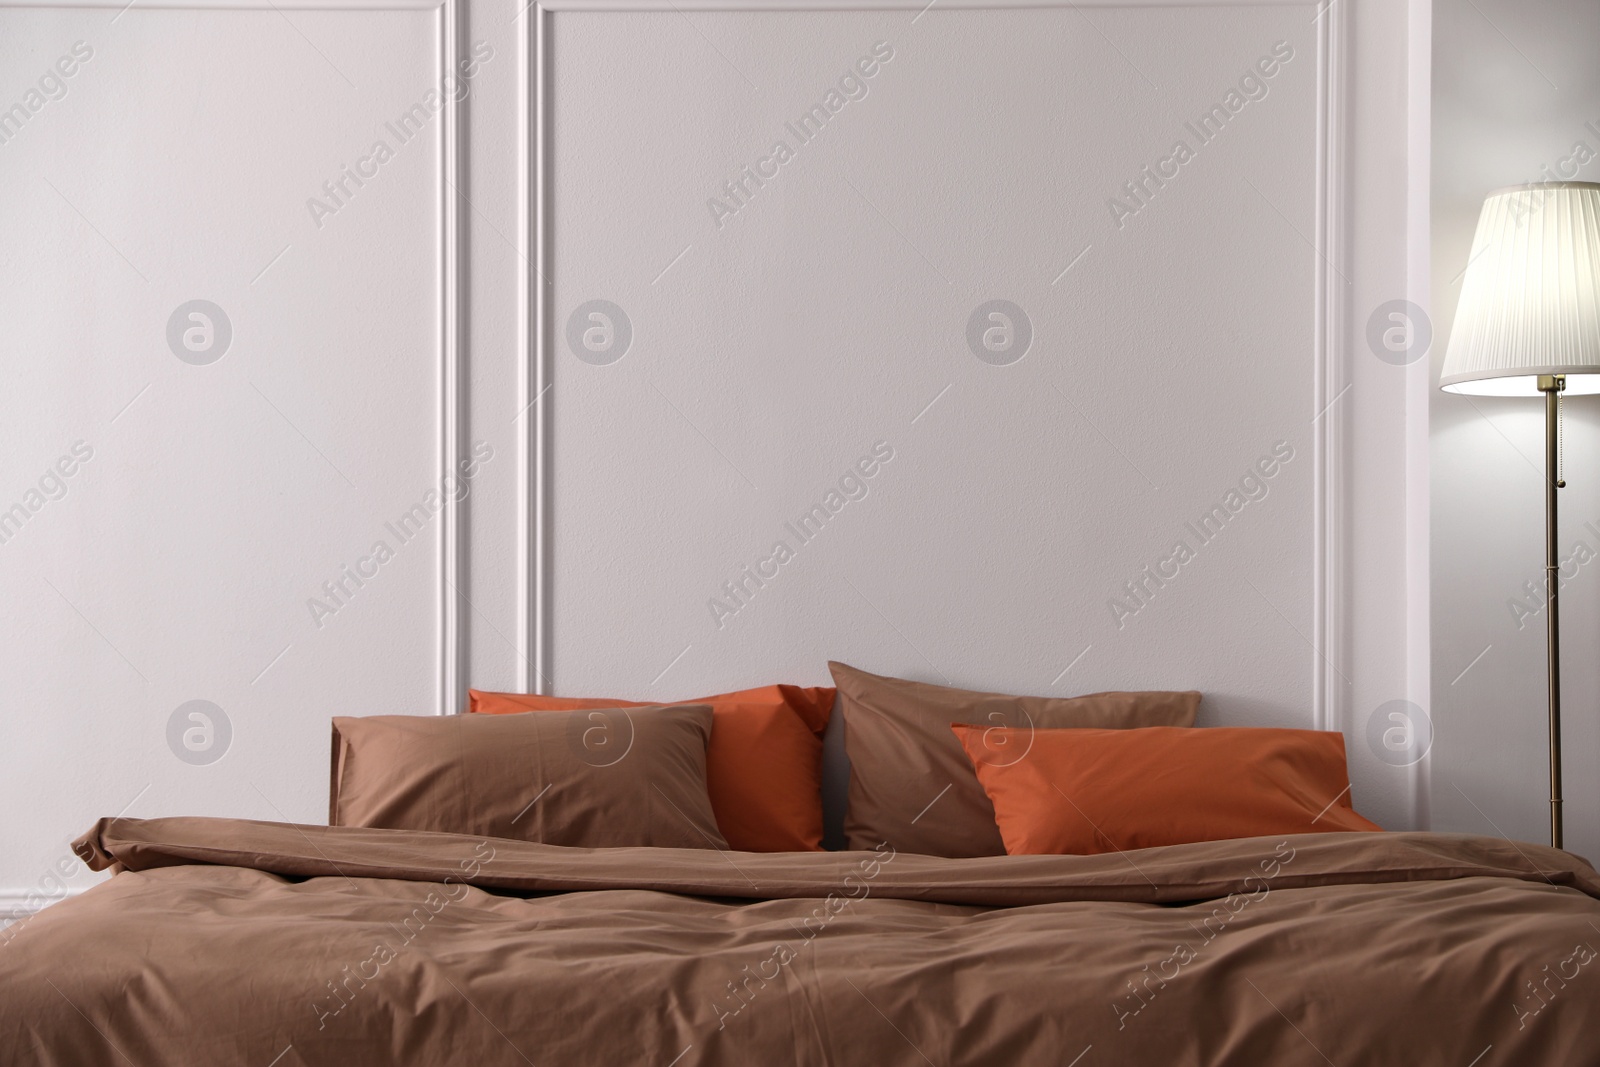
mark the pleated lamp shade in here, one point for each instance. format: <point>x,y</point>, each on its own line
<point>1530,303</point>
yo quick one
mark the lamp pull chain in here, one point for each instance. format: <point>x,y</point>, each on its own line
<point>1561,441</point>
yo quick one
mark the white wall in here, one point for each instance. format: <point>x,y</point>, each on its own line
<point>832,309</point>
<point>1515,91</point>
<point>829,310</point>
<point>767,357</point>
<point>221,493</point>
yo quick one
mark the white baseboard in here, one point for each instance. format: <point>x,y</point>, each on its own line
<point>18,904</point>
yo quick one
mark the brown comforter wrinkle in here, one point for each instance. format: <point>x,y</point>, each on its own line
<point>235,942</point>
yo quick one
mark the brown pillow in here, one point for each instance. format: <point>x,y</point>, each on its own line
<point>593,779</point>
<point>911,782</point>
<point>763,765</point>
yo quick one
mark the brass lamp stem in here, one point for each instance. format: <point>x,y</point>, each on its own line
<point>1551,386</point>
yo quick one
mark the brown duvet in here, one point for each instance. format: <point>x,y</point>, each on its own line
<point>225,942</point>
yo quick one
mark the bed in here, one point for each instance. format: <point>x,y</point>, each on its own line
<point>266,944</point>
<point>557,881</point>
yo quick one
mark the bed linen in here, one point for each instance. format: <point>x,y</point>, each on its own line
<point>596,778</point>
<point>911,782</point>
<point>763,762</point>
<point>1077,792</point>
<point>271,945</point>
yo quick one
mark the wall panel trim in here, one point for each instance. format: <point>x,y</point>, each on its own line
<point>452,652</point>
<point>534,429</point>
<point>236,5</point>
<point>1331,592</point>
<point>889,5</point>
<point>449,638</point>
<point>1330,690</point>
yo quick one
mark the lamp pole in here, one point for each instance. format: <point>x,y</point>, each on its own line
<point>1551,386</point>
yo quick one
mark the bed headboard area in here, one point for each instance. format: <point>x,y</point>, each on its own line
<point>654,349</point>
<point>1088,418</point>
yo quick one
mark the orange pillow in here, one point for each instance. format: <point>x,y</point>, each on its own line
<point>763,763</point>
<point>1080,792</point>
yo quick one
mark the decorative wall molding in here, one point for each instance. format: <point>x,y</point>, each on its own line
<point>1330,440</point>
<point>235,5</point>
<point>1331,592</point>
<point>534,429</point>
<point>450,640</point>
<point>452,652</point>
<point>891,5</point>
<point>1419,389</point>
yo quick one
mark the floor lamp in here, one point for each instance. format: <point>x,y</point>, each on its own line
<point>1528,325</point>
